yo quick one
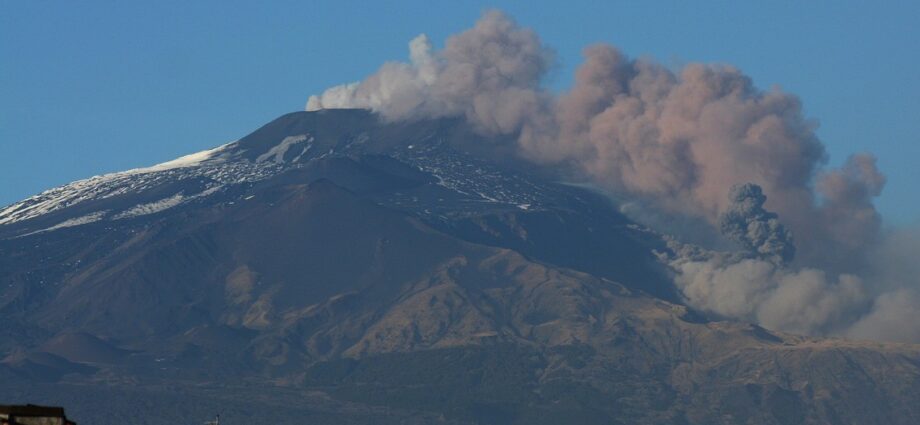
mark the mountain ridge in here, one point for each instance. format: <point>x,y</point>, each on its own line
<point>368,271</point>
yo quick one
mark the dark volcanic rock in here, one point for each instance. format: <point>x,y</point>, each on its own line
<point>334,269</point>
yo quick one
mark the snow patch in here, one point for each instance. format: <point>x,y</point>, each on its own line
<point>153,207</point>
<point>78,221</point>
<point>276,153</point>
<point>219,165</point>
<point>191,160</point>
<point>102,186</point>
<point>208,192</point>
<point>164,204</point>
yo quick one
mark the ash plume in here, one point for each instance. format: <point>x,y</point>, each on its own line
<point>746,222</point>
<point>677,141</point>
<point>490,74</point>
<point>805,301</point>
<point>682,140</point>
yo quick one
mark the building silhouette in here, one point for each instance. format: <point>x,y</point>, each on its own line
<point>31,414</point>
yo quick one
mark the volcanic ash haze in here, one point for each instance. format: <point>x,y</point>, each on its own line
<point>677,141</point>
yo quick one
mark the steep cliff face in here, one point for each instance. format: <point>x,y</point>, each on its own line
<point>337,269</point>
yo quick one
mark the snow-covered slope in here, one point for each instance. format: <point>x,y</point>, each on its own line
<point>457,182</point>
<point>140,191</point>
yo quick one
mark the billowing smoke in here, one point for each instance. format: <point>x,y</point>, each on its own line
<point>847,219</point>
<point>805,301</point>
<point>490,74</point>
<point>681,141</point>
<point>746,222</point>
<point>678,142</point>
<point>895,276</point>
<point>883,303</point>
<point>894,317</point>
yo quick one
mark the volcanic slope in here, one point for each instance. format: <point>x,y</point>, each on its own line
<point>334,268</point>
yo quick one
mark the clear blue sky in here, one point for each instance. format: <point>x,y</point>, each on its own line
<point>89,87</point>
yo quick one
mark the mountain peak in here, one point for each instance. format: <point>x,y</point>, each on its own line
<point>330,257</point>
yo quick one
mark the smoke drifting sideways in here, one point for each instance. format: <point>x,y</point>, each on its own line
<point>678,141</point>
<point>881,302</point>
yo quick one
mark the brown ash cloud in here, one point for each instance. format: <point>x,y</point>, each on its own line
<point>701,142</point>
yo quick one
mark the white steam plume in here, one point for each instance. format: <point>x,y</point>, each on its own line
<point>490,74</point>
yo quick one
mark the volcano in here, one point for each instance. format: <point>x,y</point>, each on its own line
<point>333,268</point>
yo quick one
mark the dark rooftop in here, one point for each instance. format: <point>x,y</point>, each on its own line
<point>32,410</point>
